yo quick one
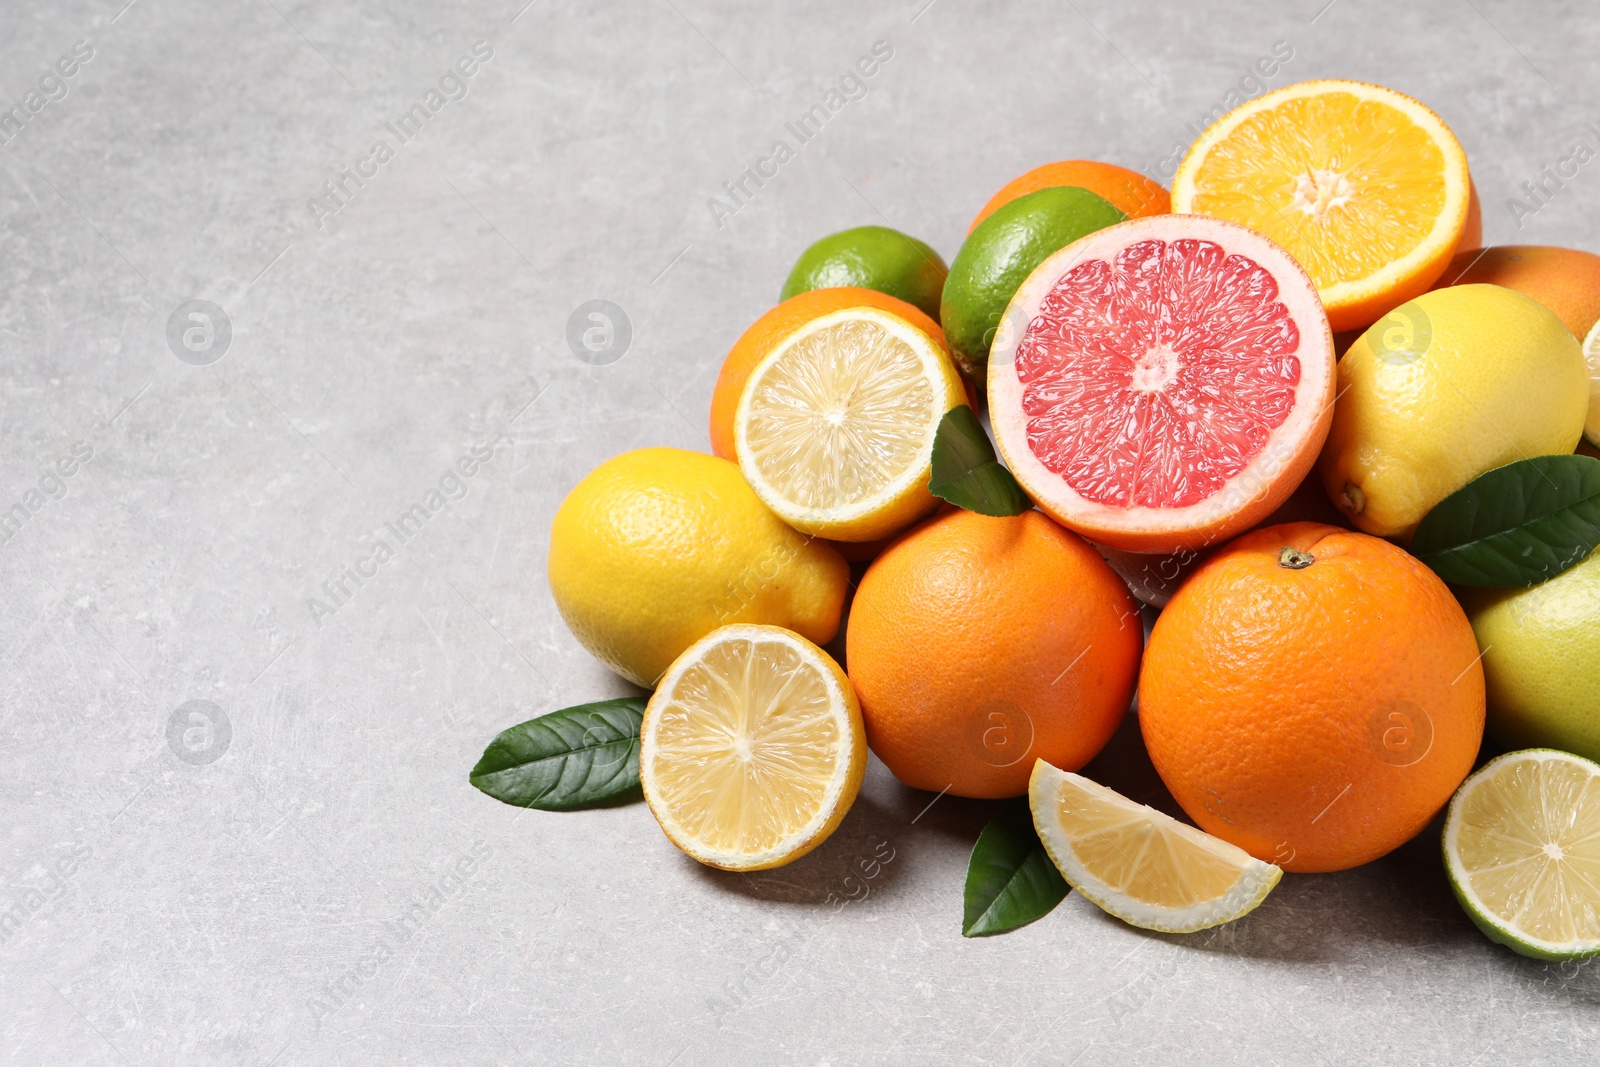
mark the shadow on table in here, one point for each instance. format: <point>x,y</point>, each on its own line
<point>1399,902</point>
<point>860,860</point>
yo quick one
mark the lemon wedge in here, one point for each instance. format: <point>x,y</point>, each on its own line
<point>1141,865</point>
<point>752,748</point>
<point>835,427</point>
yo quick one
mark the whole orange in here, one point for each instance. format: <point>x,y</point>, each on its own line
<point>777,324</point>
<point>1565,280</point>
<point>1313,695</point>
<point>1127,190</point>
<point>978,644</point>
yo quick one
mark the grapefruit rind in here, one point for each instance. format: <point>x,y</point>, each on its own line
<point>1277,468</point>
<point>1467,805</point>
<point>1152,849</point>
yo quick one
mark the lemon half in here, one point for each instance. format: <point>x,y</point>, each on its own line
<point>835,427</point>
<point>752,748</point>
<point>1141,865</point>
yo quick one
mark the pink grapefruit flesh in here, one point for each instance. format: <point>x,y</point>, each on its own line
<point>1163,384</point>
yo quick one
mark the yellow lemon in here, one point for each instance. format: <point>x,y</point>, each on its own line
<point>1541,661</point>
<point>656,548</point>
<point>1443,388</point>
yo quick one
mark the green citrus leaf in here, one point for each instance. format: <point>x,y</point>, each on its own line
<point>1011,880</point>
<point>1516,525</point>
<point>965,471</point>
<point>577,757</point>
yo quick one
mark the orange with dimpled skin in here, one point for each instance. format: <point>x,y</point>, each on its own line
<point>1126,190</point>
<point>1565,280</point>
<point>1313,695</point>
<point>977,644</point>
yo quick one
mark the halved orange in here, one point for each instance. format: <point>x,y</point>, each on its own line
<point>1365,186</point>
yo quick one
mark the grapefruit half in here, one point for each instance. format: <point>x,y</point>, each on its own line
<point>1163,384</point>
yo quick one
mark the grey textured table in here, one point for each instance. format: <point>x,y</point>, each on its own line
<point>235,825</point>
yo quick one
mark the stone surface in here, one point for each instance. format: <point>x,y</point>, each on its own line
<point>319,884</point>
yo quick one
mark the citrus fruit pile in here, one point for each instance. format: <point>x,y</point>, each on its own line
<point>1289,420</point>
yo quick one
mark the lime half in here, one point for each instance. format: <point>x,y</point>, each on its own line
<point>1522,850</point>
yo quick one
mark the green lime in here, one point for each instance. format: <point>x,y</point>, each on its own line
<point>872,257</point>
<point>1522,852</point>
<point>1001,252</point>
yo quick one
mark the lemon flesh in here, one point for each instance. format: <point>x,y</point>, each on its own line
<point>1141,865</point>
<point>752,748</point>
<point>1591,356</point>
<point>835,426</point>
<point>1522,849</point>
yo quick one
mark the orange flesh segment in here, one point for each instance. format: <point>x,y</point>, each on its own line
<point>1346,185</point>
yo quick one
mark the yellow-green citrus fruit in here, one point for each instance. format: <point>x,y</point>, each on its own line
<point>656,548</point>
<point>1442,389</point>
<point>1541,661</point>
<point>1591,355</point>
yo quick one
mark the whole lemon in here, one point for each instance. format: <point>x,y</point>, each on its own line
<point>656,548</point>
<point>1443,388</point>
<point>1541,661</point>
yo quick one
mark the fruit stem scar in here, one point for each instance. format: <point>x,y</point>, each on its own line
<point>1294,559</point>
<point>1352,499</point>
